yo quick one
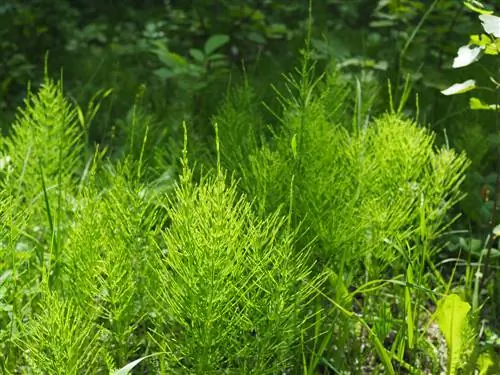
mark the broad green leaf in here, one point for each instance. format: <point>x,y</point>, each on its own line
<point>471,245</point>
<point>170,59</point>
<point>276,30</point>
<point>491,24</point>
<point>197,54</point>
<point>466,55</point>
<point>176,59</point>
<point>216,56</point>
<point>164,73</point>
<point>496,231</point>
<point>459,88</point>
<point>452,320</point>
<point>215,42</point>
<point>477,104</point>
<point>256,37</point>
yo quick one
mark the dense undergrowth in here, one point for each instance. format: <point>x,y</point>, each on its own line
<point>308,250</point>
<point>195,219</point>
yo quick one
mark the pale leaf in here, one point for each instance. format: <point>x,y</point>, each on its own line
<point>491,24</point>
<point>466,55</point>
<point>459,88</point>
<point>125,370</point>
<point>496,231</point>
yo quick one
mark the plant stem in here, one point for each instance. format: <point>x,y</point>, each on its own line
<point>496,193</point>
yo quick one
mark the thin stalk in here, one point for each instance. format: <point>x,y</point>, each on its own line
<point>496,194</point>
<point>412,36</point>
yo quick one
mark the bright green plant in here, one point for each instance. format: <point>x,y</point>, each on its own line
<point>62,339</point>
<point>233,292</point>
<point>289,267</point>
<point>229,286</point>
<point>370,194</point>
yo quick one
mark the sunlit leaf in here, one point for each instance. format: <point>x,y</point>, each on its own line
<point>496,230</point>
<point>466,55</point>
<point>480,40</point>
<point>452,321</point>
<point>459,88</point>
<point>477,7</point>
<point>493,48</point>
<point>129,366</point>
<point>484,362</point>
<point>491,24</point>
<point>477,104</point>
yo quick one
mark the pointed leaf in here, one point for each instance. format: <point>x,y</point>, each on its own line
<point>215,42</point>
<point>256,37</point>
<point>459,88</point>
<point>164,73</point>
<point>197,54</point>
<point>125,370</point>
<point>128,367</point>
<point>477,7</point>
<point>477,104</point>
<point>491,24</point>
<point>294,146</point>
<point>466,55</point>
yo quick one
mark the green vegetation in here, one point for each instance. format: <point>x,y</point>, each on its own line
<point>246,192</point>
